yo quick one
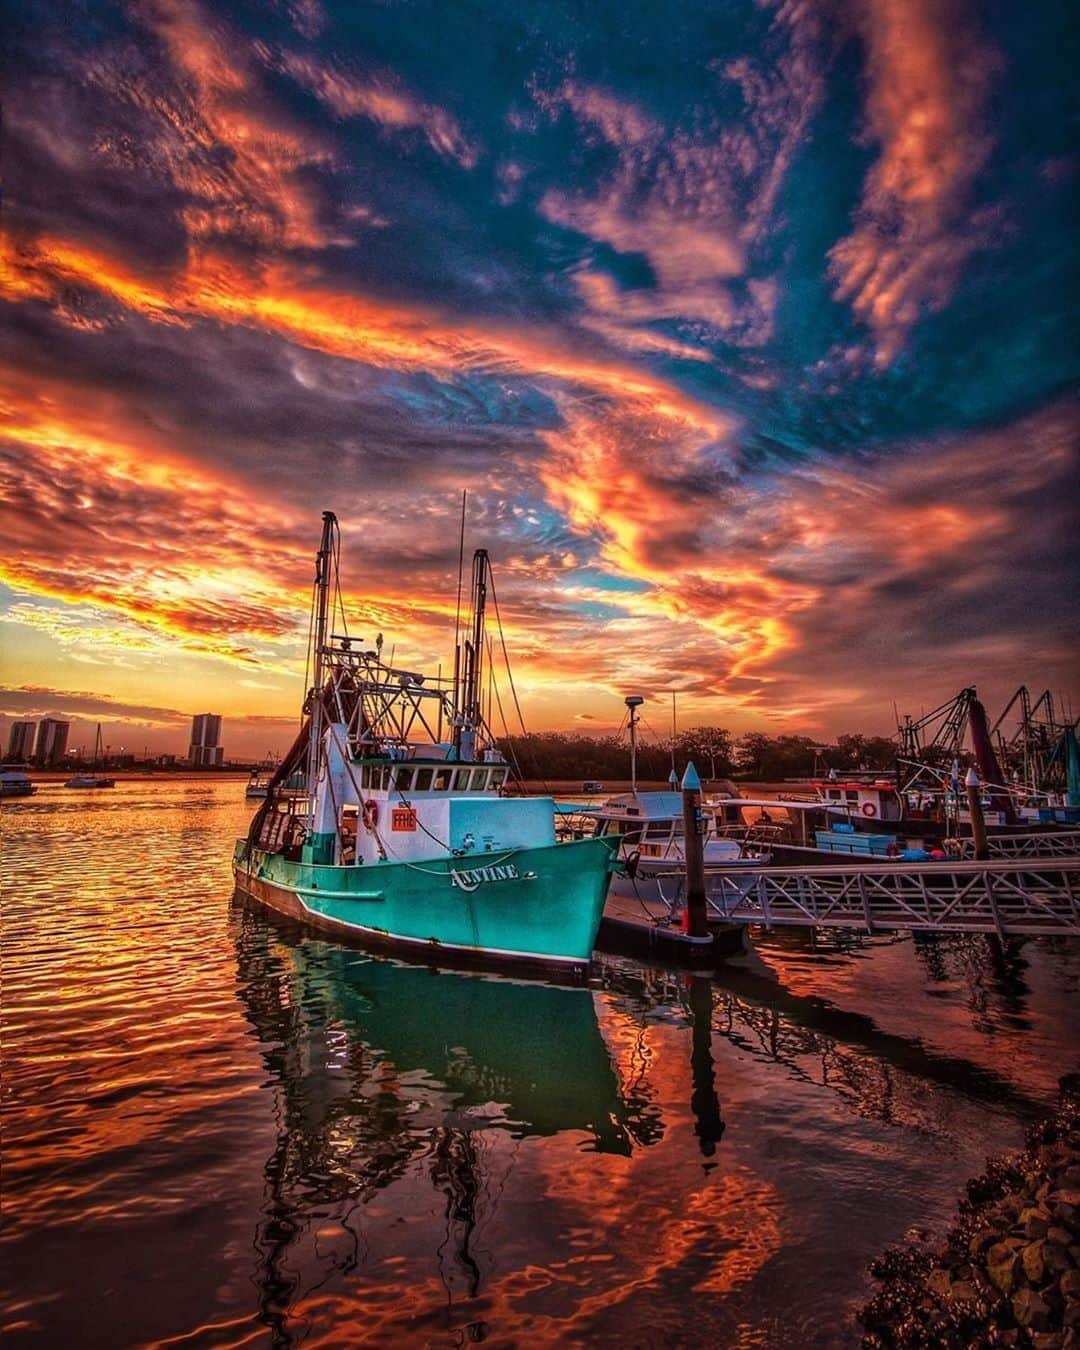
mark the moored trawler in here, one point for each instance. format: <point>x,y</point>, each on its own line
<point>400,839</point>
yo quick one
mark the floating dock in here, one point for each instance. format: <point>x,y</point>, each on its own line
<point>636,927</point>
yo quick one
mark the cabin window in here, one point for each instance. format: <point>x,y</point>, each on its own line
<point>403,780</point>
<point>852,796</point>
<point>423,780</point>
<point>461,780</point>
<point>633,835</point>
<point>498,777</point>
<point>834,794</point>
<point>443,779</point>
<point>479,780</point>
<point>659,829</point>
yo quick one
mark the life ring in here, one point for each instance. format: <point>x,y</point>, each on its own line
<point>869,809</point>
<point>371,815</point>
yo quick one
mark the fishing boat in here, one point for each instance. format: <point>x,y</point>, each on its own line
<point>400,838</point>
<point>92,780</point>
<point>15,783</point>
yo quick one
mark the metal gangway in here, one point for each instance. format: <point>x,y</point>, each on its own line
<point>1005,897</point>
<point>1051,844</point>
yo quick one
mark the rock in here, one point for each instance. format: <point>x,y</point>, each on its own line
<point>1067,1212</point>
<point>1048,1340</point>
<point>1031,1310</point>
<point>939,1282</point>
<point>963,1291</point>
<point>1001,1266</point>
<point>1069,1286</point>
<point>1035,1222</point>
<point>1055,1254</point>
<point>981,1239</point>
<point>1033,1262</point>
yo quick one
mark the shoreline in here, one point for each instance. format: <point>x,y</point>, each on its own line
<point>1007,1272</point>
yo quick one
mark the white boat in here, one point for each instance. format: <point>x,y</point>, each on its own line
<point>15,783</point>
<point>92,780</point>
<point>258,784</point>
<point>653,844</point>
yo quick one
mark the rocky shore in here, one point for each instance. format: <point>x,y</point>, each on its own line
<point>1008,1273</point>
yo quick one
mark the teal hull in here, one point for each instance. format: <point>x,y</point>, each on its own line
<point>540,906</point>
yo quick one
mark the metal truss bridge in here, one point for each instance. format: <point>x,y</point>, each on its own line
<point>1001,896</point>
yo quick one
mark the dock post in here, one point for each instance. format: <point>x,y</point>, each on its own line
<point>694,850</point>
<point>978,820</point>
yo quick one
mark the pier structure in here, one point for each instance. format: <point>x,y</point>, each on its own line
<point>1006,897</point>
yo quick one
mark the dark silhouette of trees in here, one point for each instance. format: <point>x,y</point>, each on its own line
<point>558,755</point>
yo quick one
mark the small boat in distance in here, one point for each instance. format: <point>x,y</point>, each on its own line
<point>92,780</point>
<point>398,838</point>
<point>15,783</point>
<point>258,783</point>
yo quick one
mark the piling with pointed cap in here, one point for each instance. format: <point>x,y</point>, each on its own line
<point>978,820</point>
<point>694,851</point>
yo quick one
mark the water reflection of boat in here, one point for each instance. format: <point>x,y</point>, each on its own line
<point>532,1049</point>
<point>388,1073</point>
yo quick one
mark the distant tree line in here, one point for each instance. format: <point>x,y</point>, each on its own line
<point>714,751</point>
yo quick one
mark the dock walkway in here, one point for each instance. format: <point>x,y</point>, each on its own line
<point>1000,896</point>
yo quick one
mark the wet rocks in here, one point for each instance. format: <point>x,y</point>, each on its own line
<point>1009,1271</point>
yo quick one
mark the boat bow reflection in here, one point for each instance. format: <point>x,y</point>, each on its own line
<point>382,1070</point>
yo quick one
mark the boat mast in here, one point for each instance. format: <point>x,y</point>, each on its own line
<point>633,702</point>
<point>323,561</point>
<point>471,718</point>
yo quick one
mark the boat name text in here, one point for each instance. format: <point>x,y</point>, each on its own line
<point>476,876</point>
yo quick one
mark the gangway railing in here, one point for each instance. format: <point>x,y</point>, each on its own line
<point>1052,844</point>
<point>1003,897</point>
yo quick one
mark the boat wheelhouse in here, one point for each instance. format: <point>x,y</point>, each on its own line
<point>858,801</point>
<point>399,836</point>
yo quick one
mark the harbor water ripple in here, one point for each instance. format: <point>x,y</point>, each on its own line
<point>222,1131</point>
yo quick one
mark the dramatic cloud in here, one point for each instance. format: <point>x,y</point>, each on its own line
<point>929,79</point>
<point>757,377</point>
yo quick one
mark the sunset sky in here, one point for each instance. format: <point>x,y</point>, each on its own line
<point>749,328</point>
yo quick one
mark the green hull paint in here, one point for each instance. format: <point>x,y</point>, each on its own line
<point>549,912</point>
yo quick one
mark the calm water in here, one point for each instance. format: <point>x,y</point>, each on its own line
<point>219,1131</point>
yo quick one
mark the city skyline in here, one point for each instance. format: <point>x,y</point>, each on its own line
<point>747,333</point>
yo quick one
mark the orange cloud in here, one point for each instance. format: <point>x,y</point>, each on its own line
<point>245,166</point>
<point>914,228</point>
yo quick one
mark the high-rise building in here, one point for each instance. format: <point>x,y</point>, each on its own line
<point>51,740</point>
<point>20,745</point>
<point>206,751</point>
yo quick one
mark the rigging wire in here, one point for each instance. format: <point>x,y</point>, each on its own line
<point>509,672</point>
